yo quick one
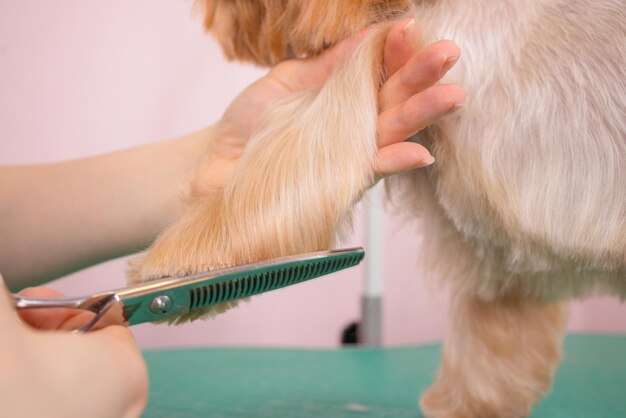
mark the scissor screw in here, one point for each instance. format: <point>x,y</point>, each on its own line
<point>160,304</point>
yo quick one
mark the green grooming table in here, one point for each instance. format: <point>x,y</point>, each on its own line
<point>262,383</point>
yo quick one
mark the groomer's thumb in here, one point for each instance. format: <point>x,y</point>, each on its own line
<point>339,52</point>
<point>116,350</point>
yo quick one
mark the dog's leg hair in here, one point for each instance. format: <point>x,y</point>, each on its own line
<point>293,189</point>
<point>499,358</point>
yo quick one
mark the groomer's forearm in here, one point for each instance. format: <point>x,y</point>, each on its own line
<point>59,218</point>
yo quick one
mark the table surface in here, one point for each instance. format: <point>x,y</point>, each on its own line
<point>274,383</point>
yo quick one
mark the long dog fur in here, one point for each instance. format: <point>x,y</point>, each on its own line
<point>267,208</point>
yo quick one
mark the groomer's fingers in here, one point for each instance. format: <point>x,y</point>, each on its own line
<point>402,156</point>
<point>52,318</point>
<point>406,119</point>
<point>105,366</point>
<point>118,343</point>
<point>400,46</point>
<point>421,71</point>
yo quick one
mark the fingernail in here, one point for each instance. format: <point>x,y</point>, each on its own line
<point>457,96</point>
<point>409,29</point>
<point>461,101</point>
<point>456,107</point>
<point>428,161</point>
<point>447,64</point>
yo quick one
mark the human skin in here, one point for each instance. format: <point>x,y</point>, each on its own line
<point>47,371</point>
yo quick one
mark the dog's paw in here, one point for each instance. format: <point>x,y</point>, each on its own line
<point>438,402</point>
<point>452,400</point>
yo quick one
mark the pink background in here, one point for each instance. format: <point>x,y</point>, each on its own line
<point>82,77</point>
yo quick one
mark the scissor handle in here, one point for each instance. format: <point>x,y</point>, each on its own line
<point>32,303</point>
<point>99,304</point>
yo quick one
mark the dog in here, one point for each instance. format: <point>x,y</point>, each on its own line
<point>524,209</point>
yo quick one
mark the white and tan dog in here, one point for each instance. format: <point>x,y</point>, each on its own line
<point>525,207</point>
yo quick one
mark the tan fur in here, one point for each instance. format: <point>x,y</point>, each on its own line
<point>525,207</point>
<point>266,208</point>
<point>270,31</point>
<point>498,358</point>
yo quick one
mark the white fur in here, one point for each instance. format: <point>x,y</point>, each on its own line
<point>531,174</point>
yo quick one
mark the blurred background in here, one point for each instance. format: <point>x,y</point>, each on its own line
<point>84,77</point>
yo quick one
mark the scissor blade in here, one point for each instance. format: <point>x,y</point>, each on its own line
<point>168,298</point>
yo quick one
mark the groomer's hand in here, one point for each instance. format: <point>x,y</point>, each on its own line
<point>408,100</point>
<point>47,372</point>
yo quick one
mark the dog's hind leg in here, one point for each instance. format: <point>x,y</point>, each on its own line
<point>498,358</point>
